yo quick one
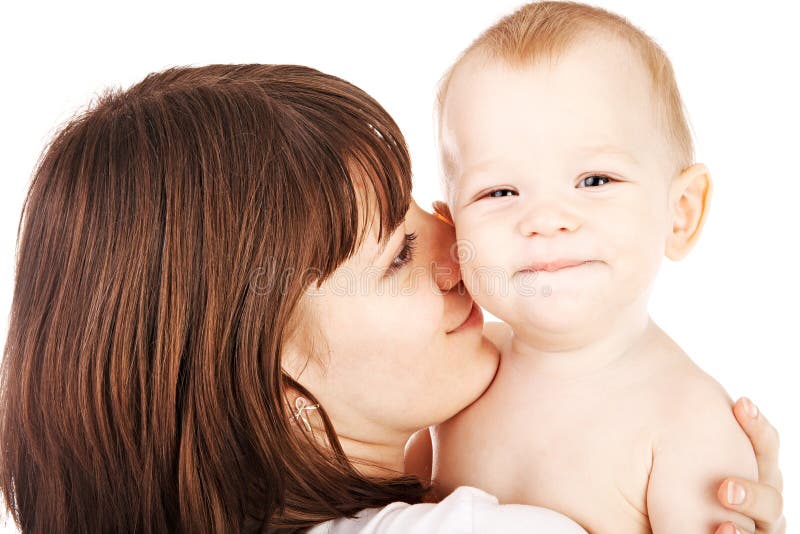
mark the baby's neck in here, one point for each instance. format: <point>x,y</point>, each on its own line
<point>569,356</point>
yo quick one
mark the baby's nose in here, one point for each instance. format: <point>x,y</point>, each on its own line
<point>547,221</point>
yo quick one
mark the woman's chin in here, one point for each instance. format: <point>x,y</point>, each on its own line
<point>489,362</point>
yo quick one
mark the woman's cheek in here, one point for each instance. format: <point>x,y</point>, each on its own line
<point>422,313</point>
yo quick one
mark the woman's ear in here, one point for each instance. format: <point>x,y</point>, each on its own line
<point>689,199</point>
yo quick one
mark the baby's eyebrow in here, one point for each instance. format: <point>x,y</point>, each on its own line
<point>478,169</point>
<point>612,150</point>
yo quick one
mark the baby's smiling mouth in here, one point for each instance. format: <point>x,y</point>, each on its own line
<point>555,265</point>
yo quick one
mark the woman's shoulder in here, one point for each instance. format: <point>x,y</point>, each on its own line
<point>465,510</point>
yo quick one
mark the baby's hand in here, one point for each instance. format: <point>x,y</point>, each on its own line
<point>763,500</point>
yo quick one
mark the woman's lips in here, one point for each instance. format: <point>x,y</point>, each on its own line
<point>474,318</point>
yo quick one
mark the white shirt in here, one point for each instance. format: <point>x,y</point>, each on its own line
<point>467,510</point>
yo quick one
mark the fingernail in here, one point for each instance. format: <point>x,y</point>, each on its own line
<point>750,408</point>
<point>736,493</point>
<point>727,528</point>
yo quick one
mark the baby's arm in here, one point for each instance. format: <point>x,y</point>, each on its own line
<point>700,445</point>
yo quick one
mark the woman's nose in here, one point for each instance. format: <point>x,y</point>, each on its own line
<point>446,269</point>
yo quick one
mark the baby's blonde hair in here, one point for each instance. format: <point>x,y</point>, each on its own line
<point>547,29</point>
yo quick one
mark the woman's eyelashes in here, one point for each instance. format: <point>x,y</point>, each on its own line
<point>405,256</point>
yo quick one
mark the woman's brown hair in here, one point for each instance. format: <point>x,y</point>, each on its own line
<point>169,232</point>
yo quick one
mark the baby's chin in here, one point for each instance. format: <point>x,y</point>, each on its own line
<point>557,316</point>
<point>556,308</point>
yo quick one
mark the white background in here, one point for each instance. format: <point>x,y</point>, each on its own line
<point>733,304</point>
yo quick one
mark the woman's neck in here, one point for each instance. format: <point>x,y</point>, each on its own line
<point>376,458</point>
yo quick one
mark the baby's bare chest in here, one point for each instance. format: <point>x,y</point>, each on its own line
<point>587,455</point>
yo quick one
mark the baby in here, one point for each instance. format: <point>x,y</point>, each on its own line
<point>569,175</point>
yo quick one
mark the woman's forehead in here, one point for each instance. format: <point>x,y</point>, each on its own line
<point>373,237</point>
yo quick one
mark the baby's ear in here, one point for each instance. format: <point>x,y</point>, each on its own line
<point>689,198</point>
<point>442,211</point>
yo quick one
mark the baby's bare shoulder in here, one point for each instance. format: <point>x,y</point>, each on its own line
<point>675,396</point>
<point>697,443</point>
<point>680,388</point>
<point>690,394</point>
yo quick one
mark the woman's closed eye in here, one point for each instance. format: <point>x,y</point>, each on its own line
<point>405,256</point>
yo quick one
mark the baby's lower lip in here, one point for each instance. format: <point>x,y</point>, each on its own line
<point>530,270</point>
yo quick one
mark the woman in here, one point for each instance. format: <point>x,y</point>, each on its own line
<point>230,316</point>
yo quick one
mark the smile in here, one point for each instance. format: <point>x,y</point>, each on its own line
<point>556,265</point>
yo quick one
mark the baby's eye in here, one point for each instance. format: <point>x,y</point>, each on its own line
<point>498,193</point>
<point>594,180</point>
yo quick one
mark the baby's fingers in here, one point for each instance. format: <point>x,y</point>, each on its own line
<point>730,528</point>
<point>760,502</point>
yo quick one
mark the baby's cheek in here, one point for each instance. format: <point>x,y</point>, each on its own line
<point>485,254</point>
<point>470,274</point>
<point>489,281</point>
<point>638,258</point>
